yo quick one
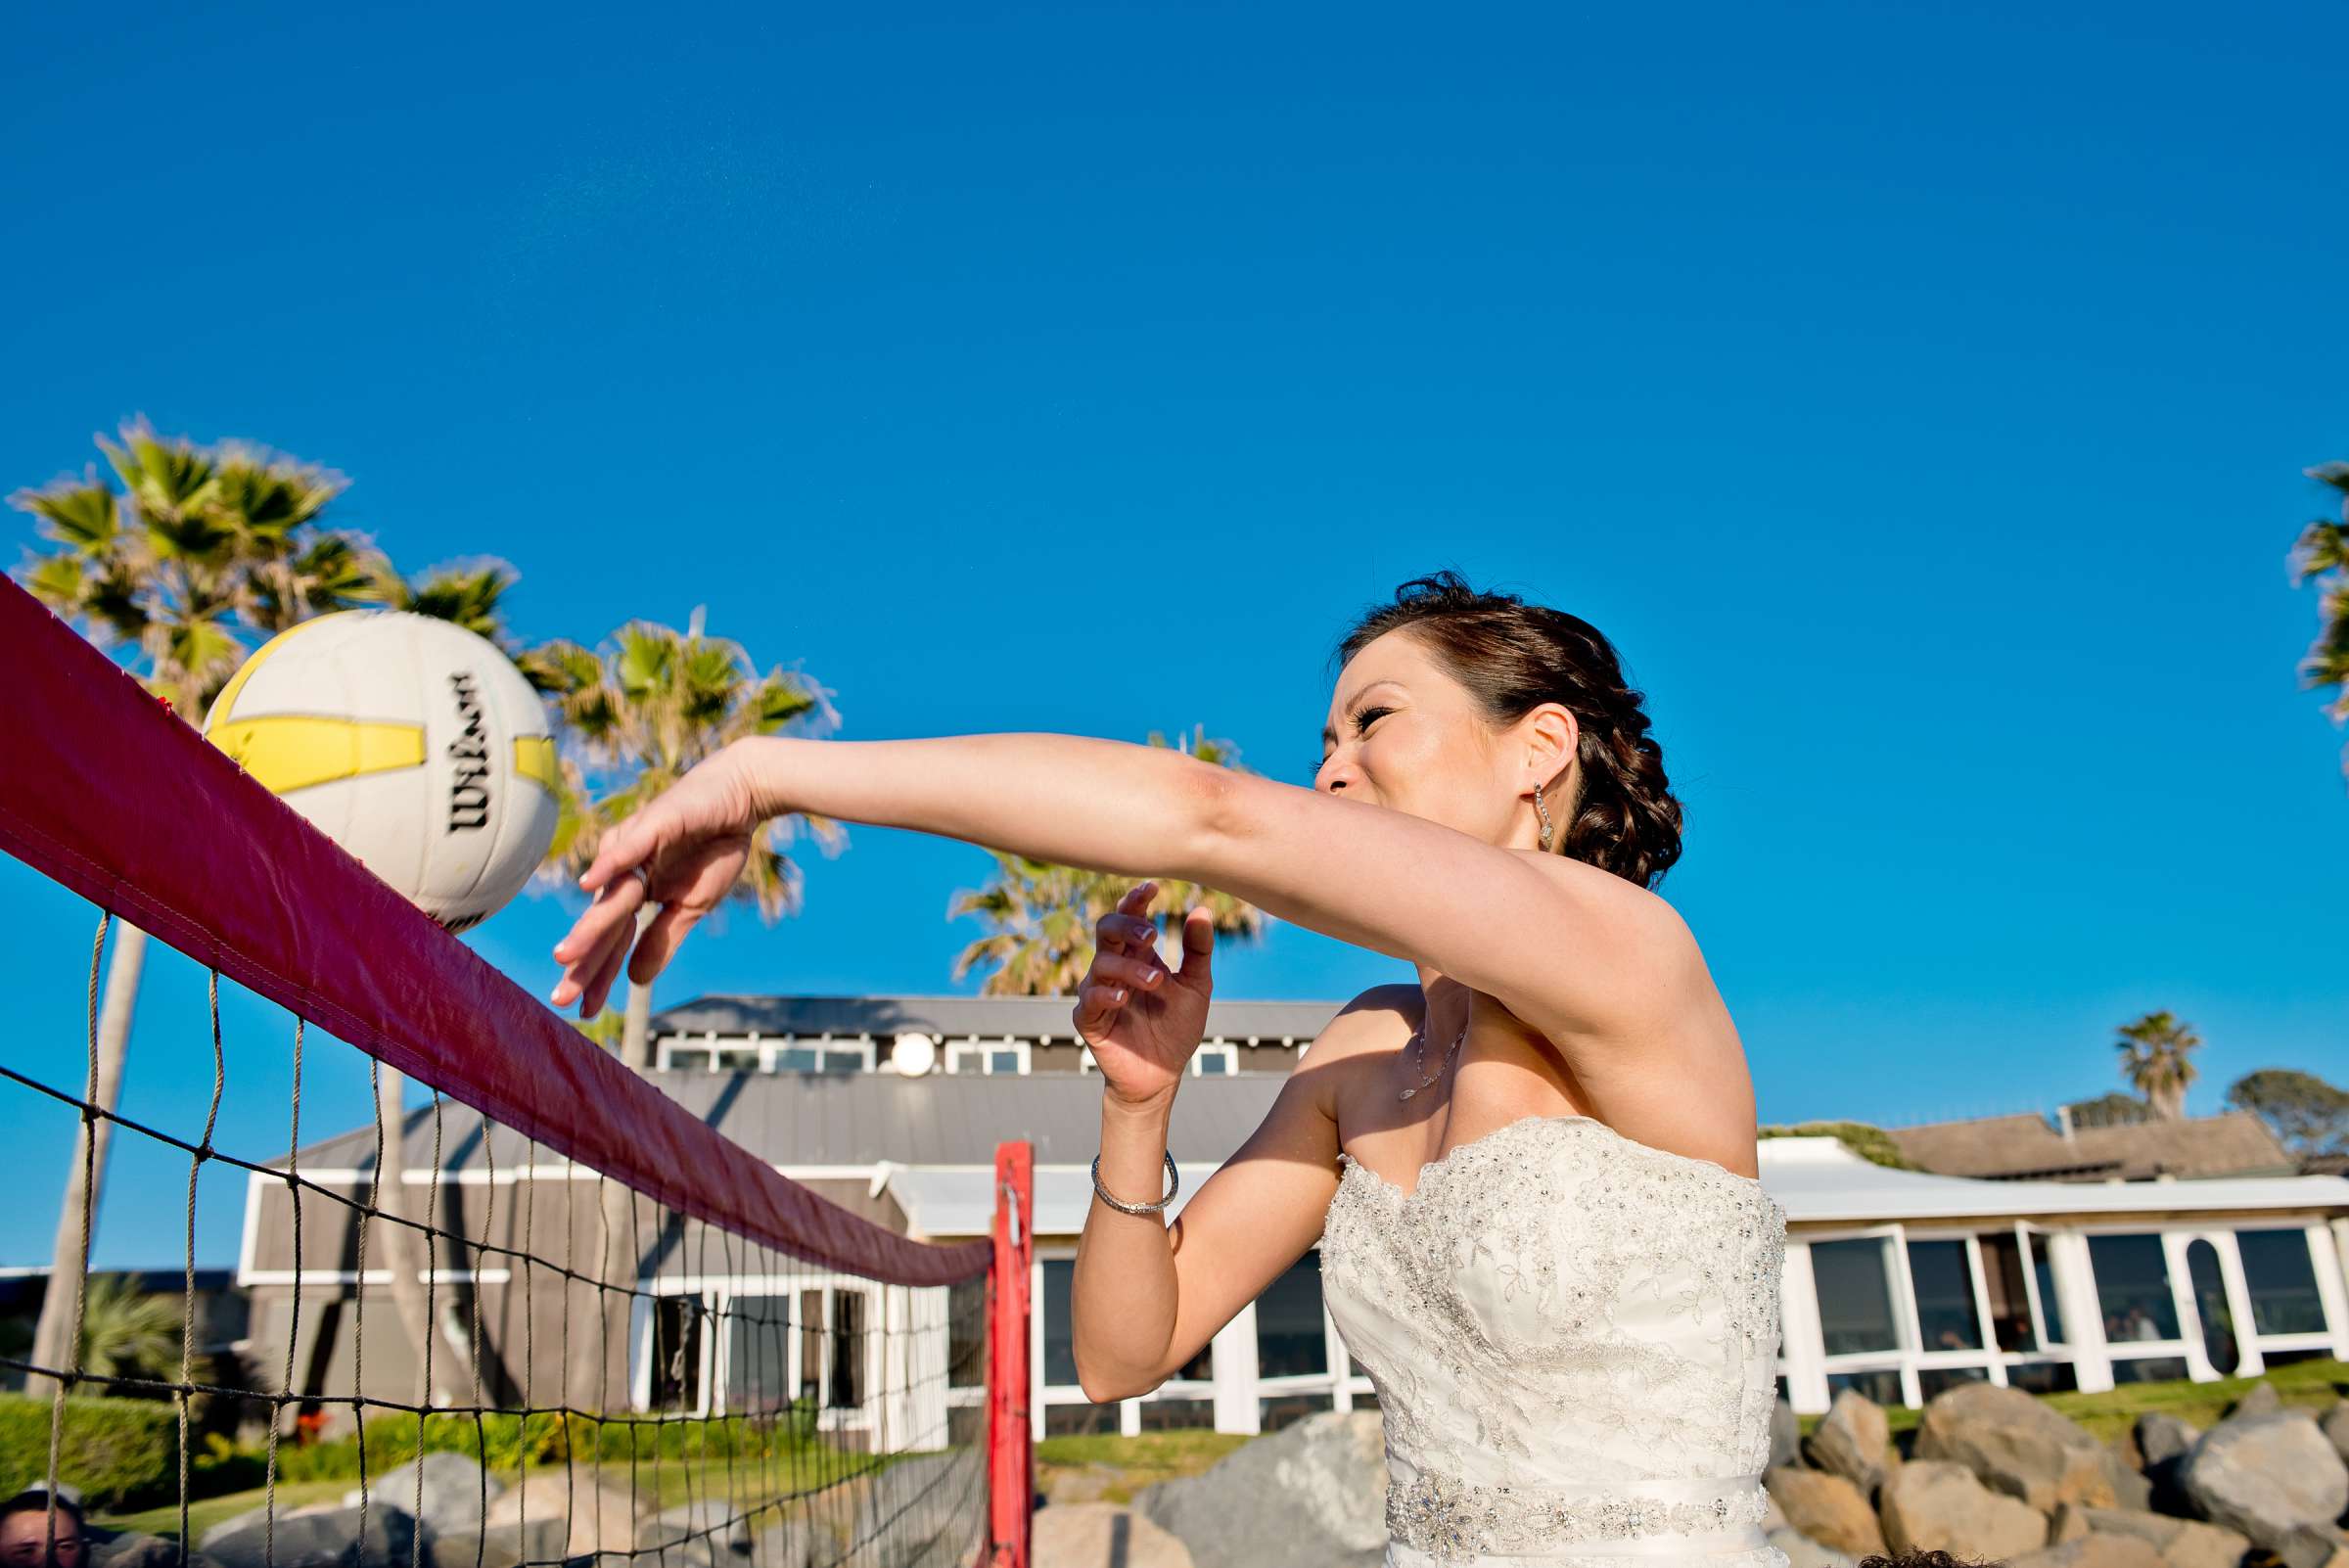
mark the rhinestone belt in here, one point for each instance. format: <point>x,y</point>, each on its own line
<point>1439,1515</point>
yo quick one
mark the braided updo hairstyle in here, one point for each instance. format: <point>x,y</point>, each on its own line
<point>1512,657</point>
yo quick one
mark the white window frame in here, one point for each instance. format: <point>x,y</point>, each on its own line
<point>2322,1264</point>
<point>863,1047</point>
<point>970,1046</point>
<point>1225,1051</point>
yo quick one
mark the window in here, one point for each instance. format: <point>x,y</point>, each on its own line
<point>1060,1336</point>
<point>1216,1059</point>
<point>676,1380</point>
<point>1289,1335</point>
<point>819,1056</point>
<point>2282,1282</point>
<point>1854,1296</point>
<point>966,1334</point>
<point>2002,1283</point>
<point>2133,1289</point>
<point>2150,1369</point>
<point>1276,1410</point>
<point>2043,1278</point>
<point>1882,1386</point>
<point>987,1056</point>
<point>738,1059</point>
<point>845,1390</point>
<point>2210,1305</point>
<point>1945,1296</point>
<point>684,1059</point>
<point>1177,1416</point>
<point>1941,1380</point>
<point>758,1353</point>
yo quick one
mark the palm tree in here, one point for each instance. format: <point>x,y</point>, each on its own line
<point>636,715</point>
<point>199,547</point>
<point>2322,551</point>
<point>2155,1061</point>
<point>1043,914</point>
<point>126,1332</point>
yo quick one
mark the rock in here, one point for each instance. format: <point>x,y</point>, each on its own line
<point>2266,1476</point>
<point>2334,1424</point>
<point>1101,1535</point>
<point>1936,1505</point>
<point>2069,1523</point>
<point>929,1512</point>
<point>706,1533</point>
<point>1311,1494</point>
<point>1850,1441</point>
<point>327,1537</point>
<point>1804,1552</point>
<point>1827,1509</point>
<point>598,1518</point>
<point>128,1548</point>
<point>2130,1490</point>
<point>2182,1542</point>
<point>1786,1436</point>
<point>2259,1398</point>
<point>2017,1445</point>
<point>2315,1547</point>
<point>500,1545</point>
<point>2161,1436</point>
<point>2093,1552</point>
<point>453,1494</point>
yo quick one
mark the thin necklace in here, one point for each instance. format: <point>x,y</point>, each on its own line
<point>1419,1039</point>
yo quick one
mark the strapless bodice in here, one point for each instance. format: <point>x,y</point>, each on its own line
<point>1573,1337</point>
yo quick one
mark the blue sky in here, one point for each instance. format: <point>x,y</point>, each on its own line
<point>1917,395</point>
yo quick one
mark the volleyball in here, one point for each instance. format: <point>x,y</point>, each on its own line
<point>411,742</point>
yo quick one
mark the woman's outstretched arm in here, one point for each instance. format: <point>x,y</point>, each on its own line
<point>1570,948</point>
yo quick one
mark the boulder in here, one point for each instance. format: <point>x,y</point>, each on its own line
<point>1101,1535</point>
<point>129,1548</point>
<point>2260,1399</point>
<point>318,1537</point>
<point>1936,1505</point>
<point>498,1545</point>
<point>1312,1495</point>
<point>2182,1542</point>
<point>706,1533</point>
<point>455,1491</point>
<point>2017,1445</point>
<point>2334,1424</point>
<point>2093,1552</point>
<point>2068,1523</point>
<point>1827,1509</point>
<point>1786,1436</point>
<point>1850,1440</point>
<point>2315,1547</point>
<point>595,1519</point>
<point>929,1512</point>
<point>2266,1476</point>
<point>2161,1436</point>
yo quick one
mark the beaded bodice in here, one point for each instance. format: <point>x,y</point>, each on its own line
<point>1574,1340</point>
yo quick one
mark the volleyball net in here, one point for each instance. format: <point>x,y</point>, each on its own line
<point>507,1305</point>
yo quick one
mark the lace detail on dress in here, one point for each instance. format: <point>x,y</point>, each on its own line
<point>1555,1310</point>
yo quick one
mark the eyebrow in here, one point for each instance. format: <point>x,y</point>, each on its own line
<point>1329,735</point>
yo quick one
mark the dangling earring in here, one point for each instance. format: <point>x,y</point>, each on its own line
<point>1546,829</point>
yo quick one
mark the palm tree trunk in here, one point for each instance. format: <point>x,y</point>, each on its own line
<point>53,1337</point>
<point>405,1255</point>
<point>600,1379</point>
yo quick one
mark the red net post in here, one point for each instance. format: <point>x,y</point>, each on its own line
<point>1010,1438</point>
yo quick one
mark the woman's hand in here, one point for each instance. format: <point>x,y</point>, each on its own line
<point>682,850</point>
<point>1142,1019</point>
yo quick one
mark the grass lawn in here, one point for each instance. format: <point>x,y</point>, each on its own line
<point>677,1482</point>
<point>1139,1460</point>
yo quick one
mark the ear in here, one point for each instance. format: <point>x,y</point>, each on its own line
<point>1552,739</point>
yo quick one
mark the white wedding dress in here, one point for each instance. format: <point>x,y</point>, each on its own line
<point>1574,1338</point>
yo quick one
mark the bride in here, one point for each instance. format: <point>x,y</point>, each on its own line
<point>1531,1173</point>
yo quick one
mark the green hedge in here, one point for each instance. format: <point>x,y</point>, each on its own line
<point>121,1452</point>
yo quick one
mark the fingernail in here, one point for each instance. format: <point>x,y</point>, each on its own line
<point>1119,994</point>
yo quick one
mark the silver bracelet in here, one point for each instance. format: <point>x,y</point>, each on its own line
<point>1174,1185</point>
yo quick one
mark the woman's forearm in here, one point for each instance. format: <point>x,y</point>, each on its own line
<point>1122,1296</point>
<point>1104,805</point>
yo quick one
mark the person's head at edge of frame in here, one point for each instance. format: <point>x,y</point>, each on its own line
<point>1444,692</point>
<point>25,1539</point>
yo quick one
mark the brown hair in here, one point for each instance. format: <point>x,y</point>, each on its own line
<point>1512,657</point>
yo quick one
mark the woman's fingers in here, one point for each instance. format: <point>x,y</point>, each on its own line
<point>1118,968</point>
<point>606,973</point>
<point>659,944</point>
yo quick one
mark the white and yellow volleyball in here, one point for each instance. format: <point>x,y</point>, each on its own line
<point>411,742</point>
